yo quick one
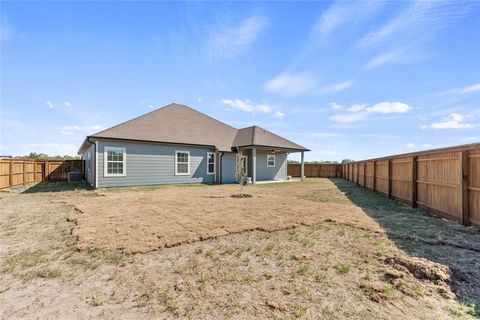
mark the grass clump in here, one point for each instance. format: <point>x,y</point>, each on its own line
<point>303,270</point>
<point>48,273</point>
<point>343,268</point>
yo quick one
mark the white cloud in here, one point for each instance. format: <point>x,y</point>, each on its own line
<point>472,88</point>
<point>199,99</point>
<point>67,104</point>
<point>394,56</point>
<point>357,108</point>
<point>452,121</point>
<point>227,41</point>
<point>410,145</point>
<point>337,87</point>
<point>419,20</point>
<point>248,106</point>
<point>423,127</point>
<point>68,130</point>
<point>291,84</point>
<point>389,107</point>
<point>405,37</point>
<point>50,104</point>
<point>278,115</point>
<point>349,117</point>
<point>265,108</point>
<point>426,145</point>
<point>475,87</point>
<point>336,106</point>
<point>342,14</point>
<point>360,112</point>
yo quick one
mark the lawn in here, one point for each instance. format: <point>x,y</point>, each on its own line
<point>323,248</point>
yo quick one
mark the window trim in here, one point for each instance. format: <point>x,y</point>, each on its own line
<point>105,161</point>
<point>214,162</point>
<point>176,163</point>
<point>274,160</point>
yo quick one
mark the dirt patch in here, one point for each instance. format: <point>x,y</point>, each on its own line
<point>422,269</point>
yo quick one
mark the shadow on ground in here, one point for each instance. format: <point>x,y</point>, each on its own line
<point>422,235</point>
<point>46,186</point>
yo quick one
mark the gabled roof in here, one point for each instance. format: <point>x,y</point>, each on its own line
<point>179,124</point>
<point>256,136</point>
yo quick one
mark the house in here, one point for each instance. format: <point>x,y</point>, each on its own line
<point>177,144</point>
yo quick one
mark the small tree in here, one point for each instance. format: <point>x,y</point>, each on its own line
<point>240,172</point>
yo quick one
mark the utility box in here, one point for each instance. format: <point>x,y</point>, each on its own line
<point>75,177</point>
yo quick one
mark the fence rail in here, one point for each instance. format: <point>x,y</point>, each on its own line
<point>317,170</point>
<point>444,181</point>
<point>14,172</point>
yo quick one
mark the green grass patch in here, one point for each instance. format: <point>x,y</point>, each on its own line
<point>343,268</point>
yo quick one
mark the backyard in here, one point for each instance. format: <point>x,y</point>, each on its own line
<point>323,248</point>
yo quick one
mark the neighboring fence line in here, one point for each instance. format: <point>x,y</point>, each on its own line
<point>14,172</point>
<point>314,170</point>
<point>443,181</point>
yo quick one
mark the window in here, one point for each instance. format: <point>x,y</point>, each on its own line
<point>270,160</point>
<point>115,159</point>
<point>182,163</point>
<point>210,163</point>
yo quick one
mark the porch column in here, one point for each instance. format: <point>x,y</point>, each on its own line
<point>254,165</point>
<point>302,168</point>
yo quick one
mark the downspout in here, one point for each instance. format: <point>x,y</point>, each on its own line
<point>95,161</point>
<point>220,169</point>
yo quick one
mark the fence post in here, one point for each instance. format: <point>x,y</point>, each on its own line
<point>365,174</point>
<point>47,169</point>
<point>24,175</point>
<point>464,187</point>
<point>11,174</point>
<point>389,178</point>
<point>358,173</point>
<point>414,182</point>
<point>374,183</point>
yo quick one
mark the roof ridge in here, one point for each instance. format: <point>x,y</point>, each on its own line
<point>158,109</point>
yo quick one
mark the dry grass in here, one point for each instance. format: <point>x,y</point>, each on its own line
<point>141,220</point>
<point>331,268</point>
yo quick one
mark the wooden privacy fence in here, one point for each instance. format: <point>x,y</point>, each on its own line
<point>443,181</point>
<point>314,170</point>
<point>14,172</point>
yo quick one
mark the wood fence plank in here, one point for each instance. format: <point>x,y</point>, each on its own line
<point>414,182</point>
<point>464,187</point>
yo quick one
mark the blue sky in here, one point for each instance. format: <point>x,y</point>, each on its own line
<point>346,79</point>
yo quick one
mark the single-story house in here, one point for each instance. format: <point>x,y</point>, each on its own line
<point>177,144</point>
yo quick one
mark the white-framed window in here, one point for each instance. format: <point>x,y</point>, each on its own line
<point>270,160</point>
<point>210,163</point>
<point>182,163</point>
<point>115,159</point>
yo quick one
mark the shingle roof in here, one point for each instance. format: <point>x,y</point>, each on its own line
<point>178,123</point>
<point>256,136</point>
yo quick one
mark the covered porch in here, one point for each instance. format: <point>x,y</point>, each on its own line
<point>267,164</point>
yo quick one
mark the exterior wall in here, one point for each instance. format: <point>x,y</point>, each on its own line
<point>152,164</point>
<point>228,167</point>
<point>264,173</point>
<point>89,157</point>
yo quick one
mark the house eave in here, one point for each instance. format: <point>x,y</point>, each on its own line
<point>273,147</point>
<point>155,142</point>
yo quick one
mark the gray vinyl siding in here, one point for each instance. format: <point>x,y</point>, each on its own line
<point>152,164</point>
<point>264,173</point>
<point>89,157</point>
<point>228,167</point>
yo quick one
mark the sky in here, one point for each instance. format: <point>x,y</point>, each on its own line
<point>345,79</point>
